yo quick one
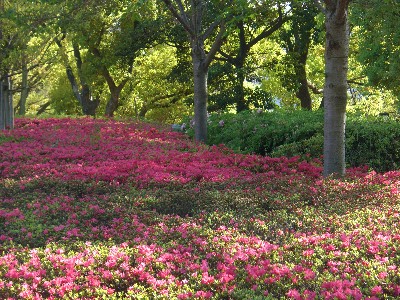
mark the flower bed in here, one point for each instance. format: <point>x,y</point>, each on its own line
<point>100,209</point>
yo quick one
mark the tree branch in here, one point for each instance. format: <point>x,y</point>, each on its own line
<point>314,88</point>
<point>226,57</point>
<point>268,31</point>
<point>210,29</point>
<point>215,47</point>
<point>181,18</point>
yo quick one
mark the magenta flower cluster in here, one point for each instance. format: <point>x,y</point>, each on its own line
<point>73,223</point>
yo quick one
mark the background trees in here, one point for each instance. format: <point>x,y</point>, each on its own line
<point>252,22</point>
<point>378,36</point>
<point>200,19</point>
<point>101,41</point>
<point>151,59</point>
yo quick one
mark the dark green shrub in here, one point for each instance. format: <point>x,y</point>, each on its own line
<point>263,132</point>
<point>311,147</point>
<point>371,141</point>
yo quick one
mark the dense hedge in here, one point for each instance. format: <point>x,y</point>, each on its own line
<point>369,141</point>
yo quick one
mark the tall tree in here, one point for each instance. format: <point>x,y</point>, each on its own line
<point>296,39</point>
<point>335,89</point>
<point>192,18</point>
<point>81,89</point>
<point>252,22</point>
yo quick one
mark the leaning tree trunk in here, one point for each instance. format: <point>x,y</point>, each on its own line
<point>112,104</point>
<point>335,90</point>
<point>88,104</point>
<point>303,94</point>
<point>200,72</point>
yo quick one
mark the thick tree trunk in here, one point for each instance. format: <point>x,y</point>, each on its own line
<point>335,90</point>
<point>115,92</point>
<point>6,105</point>
<point>200,72</point>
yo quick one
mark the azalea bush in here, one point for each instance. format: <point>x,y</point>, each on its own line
<point>102,209</point>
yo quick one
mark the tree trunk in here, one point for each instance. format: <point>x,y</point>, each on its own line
<point>115,92</point>
<point>239,61</point>
<point>335,90</point>
<point>200,72</point>
<point>24,89</point>
<point>81,91</point>
<point>6,105</point>
<point>303,94</point>
<point>88,104</point>
<point>113,102</point>
<point>241,104</point>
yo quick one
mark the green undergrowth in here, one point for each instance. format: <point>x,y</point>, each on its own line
<point>282,208</point>
<point>370,141</point>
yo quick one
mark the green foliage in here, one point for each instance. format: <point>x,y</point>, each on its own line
<point>62,98</point>
<point>249,295</point>
<point>312,146</point>
<point>224,89</point>
<point>6,138</point>
<point>262,132</point>
<point>371,141</point>
<point>376,31</point>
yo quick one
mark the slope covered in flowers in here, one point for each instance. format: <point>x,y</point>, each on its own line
<point>100,209</point>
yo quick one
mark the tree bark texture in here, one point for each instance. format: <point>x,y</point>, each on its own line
<point>335,89</point>
<point>200,73</point>
<point>6,105</point>
<point>192,23</point>
<point>303,94</point>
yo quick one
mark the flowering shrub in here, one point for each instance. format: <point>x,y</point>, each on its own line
<point>99,209</point>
